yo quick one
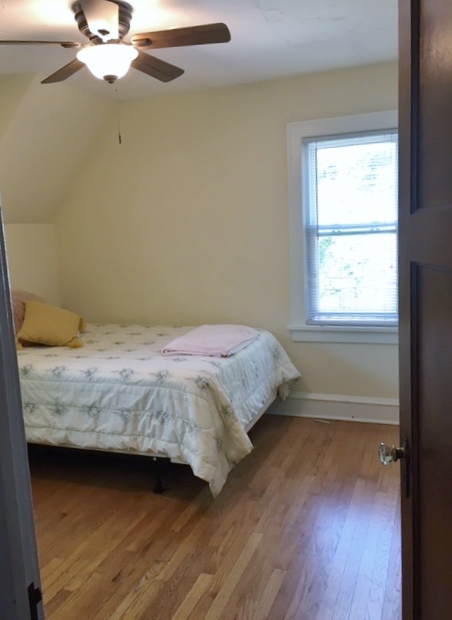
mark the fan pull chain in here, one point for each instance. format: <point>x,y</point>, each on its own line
<point>119,133</point>
<point>119,122</point>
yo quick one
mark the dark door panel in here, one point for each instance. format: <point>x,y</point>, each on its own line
<point>434,386</point>
<point>425,303</point>
<point>435,103</point>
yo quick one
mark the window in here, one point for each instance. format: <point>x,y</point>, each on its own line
<point>343,212</point>
<point>351,229</point>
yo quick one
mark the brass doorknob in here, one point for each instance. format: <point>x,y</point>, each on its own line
<point>390,454</point>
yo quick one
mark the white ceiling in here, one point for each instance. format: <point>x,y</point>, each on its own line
<point>269,39</point>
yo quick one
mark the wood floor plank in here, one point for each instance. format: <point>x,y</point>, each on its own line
<point>327,608</point>
<point>231,581</point>
<point>198,590</point>
<point>306,528</point>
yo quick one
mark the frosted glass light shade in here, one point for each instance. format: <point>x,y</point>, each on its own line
<point>108,61</point>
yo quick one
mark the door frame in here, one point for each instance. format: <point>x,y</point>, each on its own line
<point>19,567</point>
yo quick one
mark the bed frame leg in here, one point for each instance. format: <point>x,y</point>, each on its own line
<point>159,488</point>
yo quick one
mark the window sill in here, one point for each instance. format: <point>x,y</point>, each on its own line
<point>344,335</point>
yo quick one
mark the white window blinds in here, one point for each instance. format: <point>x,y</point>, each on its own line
<point>351,205</point>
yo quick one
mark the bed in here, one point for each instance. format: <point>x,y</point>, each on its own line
<point>120,393</point>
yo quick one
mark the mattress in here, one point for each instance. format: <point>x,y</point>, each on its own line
<point>120,393</point>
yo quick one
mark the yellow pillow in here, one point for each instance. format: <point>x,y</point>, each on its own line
<point>50,325</point>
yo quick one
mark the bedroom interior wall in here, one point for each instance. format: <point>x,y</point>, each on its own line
<point>45,134</point>
<point>32,259</point>
<point>187,220</point>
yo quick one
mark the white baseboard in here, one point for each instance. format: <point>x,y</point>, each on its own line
<point>338,407</point>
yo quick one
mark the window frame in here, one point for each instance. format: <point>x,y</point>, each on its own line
<point>297,133</point>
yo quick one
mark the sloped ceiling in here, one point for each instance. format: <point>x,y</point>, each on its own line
<point>45,136</point>
<point>46,132</point>
<point>270,39</point>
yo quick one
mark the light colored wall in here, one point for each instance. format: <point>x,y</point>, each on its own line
<point>45,134</point>
<point>12,90</point>
<point>187,220</point>
<point>32,259</point>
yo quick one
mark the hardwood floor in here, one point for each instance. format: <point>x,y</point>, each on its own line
<point>306,528</point>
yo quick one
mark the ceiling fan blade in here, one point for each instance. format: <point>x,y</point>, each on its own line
<point>178,37</point>
<point>64,72</point>
<point>102,17</point>
<point>71,44</point>
<point>156,68</point>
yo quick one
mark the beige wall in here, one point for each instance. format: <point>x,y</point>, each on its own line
<point>45,134</point>
<point>187,220</point>
<point>32,259</point>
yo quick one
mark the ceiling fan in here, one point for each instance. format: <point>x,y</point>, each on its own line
<point>105,23</point>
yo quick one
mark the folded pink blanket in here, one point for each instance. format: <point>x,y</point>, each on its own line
<point>213,340</point>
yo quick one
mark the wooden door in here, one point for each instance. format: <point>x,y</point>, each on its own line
<point>19,571</point>
<point>425,243</point>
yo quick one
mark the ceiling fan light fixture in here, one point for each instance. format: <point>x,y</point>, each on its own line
<point>108,61</point>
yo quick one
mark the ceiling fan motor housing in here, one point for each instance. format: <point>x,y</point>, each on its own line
<point>124,18</point>
<point>105,23</point>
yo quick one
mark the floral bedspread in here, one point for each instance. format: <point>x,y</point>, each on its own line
<point>120,393</point>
